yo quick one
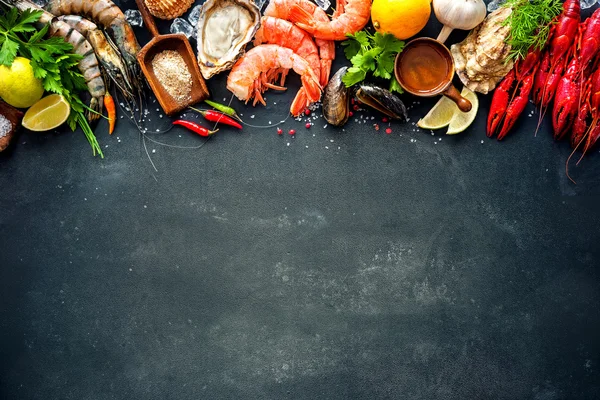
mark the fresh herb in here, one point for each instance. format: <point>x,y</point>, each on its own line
<point>530,23</point>
<point>52,60</point>
<point>371,53</point>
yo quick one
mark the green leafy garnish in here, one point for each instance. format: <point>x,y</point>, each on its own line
<point>371,54</point>
<point>52,60</point>
<point>530,23</point>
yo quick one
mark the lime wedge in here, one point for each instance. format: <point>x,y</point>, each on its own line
<point>461,121</point>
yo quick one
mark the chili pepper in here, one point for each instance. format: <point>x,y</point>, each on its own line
<point>109,104</point>
<point>194,127</point>
<point>215,116</point>
<point>223,108</point>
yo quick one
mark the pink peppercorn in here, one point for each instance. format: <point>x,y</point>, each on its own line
<point>388,130</point>
<point>307,125</point>
<point>384,119</point>
<point>279,131</point>
<point>307,112</point>
<point>292,132</point>
<point>350,113</point>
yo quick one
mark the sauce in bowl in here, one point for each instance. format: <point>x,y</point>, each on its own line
<point>424,67</point>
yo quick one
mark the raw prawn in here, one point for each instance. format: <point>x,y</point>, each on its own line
<point>109,57</point>
<point>350,17</point>
<point>108,15</point>
<point>88,65</point>
<point>256,71</point>
<point>282,9</point>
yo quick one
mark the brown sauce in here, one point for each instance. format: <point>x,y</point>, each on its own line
<point>424,67</point>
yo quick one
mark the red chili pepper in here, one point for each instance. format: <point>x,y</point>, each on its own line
<point>215,116</point>
<point>194,127</point>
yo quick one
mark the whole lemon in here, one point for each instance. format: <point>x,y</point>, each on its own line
<point>401,18</point>
<point>18,86</point>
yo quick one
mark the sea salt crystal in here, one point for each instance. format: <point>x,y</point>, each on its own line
<point>5,126</point>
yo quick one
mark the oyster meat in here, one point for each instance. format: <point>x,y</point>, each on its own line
<point>168,9</point>
<point>224,29</point>
<point>480,59</point>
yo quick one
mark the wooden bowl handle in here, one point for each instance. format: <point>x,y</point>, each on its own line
<point>453,94</point>
<point>147,17</point>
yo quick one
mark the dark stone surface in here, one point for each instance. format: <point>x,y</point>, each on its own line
<point>347,264</point>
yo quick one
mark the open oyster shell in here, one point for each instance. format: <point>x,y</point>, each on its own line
<point>224,29</point>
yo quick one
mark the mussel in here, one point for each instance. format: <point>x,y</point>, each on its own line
<point>336,98</point>
<point>382,100</point>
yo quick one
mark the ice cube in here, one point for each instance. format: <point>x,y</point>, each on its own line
<point>260,4</point>
<point>40,3</point>
<point>324,4</point>
<point>134,17</point>
<point>587,4</point>
<point>194,15</point>
<point>494,5</point>
<point>180,25</point>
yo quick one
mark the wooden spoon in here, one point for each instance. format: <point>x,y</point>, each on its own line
<point>179,43</point>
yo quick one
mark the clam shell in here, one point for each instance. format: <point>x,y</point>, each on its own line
<point>168,9</point>
<point>224,29</point>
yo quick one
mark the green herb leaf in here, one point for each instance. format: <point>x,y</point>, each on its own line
<point>388,42</point>
<point>361,37</point>
<point>353,76</point>
<point>395,86</point>
<point>8,52</point>
<point>351,48</point>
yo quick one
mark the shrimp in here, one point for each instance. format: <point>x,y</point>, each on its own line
<point>106,14</point>
<point>350,17</point>
<point>88,65</point>
<point>282,9</point>
<point>108,56</point>
<point>256,71</point>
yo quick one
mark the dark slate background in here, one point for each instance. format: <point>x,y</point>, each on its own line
<point>330,265</point>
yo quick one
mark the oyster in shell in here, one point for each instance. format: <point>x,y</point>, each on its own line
<point>224,29</point>
<point>480,59</point>
<point>168,9</point>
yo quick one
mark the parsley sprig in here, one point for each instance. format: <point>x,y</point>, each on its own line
<point>52,60</point>
<point>530,23</point>
<point>374,53</point>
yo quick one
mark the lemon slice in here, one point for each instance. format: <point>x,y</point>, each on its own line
<point>461,121</point>
<point>440,115</point>
<point>48,113</point>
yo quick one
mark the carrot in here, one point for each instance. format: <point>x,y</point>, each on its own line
<point>109,104</point>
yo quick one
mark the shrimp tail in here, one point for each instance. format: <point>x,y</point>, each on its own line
<point>302,18</point>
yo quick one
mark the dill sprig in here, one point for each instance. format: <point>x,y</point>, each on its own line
<point>530,23</point>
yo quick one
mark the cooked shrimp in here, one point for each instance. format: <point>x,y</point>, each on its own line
<point>88,65</point>
<point>350,17</point>
<point>108,56</point>
<point>282,9</point>
<point>256,71</point>
<point>109,16</point>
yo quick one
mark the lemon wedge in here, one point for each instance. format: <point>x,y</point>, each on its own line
<point>461,121</point>
<point>48,113</point>
<point>446,113</point>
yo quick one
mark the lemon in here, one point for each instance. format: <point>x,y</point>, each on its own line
<point>461,120</point>
<point>48,113</point>
<point>440,115</point>
<point>446,113</point>
<point>18,86</point>
<point>401,18</point>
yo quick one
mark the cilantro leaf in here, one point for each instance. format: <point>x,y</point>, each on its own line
<point>8,52</point>
<point>388,42</point>
<point>366,60</point>
<point>25,22</point>
<point>361,37</point>
<point>385,64</point>
<point>353,76</point>
<point>351,48</point>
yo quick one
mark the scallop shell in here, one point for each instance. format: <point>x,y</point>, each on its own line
<point>168,9</point>
<point>224,29</point>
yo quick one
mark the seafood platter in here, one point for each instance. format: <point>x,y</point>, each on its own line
<point>80,62</point>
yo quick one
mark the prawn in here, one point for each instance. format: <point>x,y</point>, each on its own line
<point>286,34</point>
<point>262,65</point>
<point>108,15</point>
<point>88,65</point>
<point>350,17</point>
<point>282,9</point>
<point>109,57</point>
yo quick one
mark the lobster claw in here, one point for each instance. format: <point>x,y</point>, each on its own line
<point>499,104</point>
<point>566,101</point>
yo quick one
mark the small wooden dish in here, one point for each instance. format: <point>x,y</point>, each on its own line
<point>179,43</point>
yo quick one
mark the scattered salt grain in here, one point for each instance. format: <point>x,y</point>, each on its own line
<point>5,126</point>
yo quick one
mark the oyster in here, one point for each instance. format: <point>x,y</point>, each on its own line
<point>224,29</point>
<point>382,100</point>
<point>336,107</point>
<point>480,59</point>
<point>168,9</point>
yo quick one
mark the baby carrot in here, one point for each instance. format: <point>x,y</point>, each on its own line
<point>109,104</point>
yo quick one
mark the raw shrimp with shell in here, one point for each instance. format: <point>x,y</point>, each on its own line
<point>263,65</point>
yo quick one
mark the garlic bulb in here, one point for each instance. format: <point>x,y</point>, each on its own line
<point>458,14</point>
